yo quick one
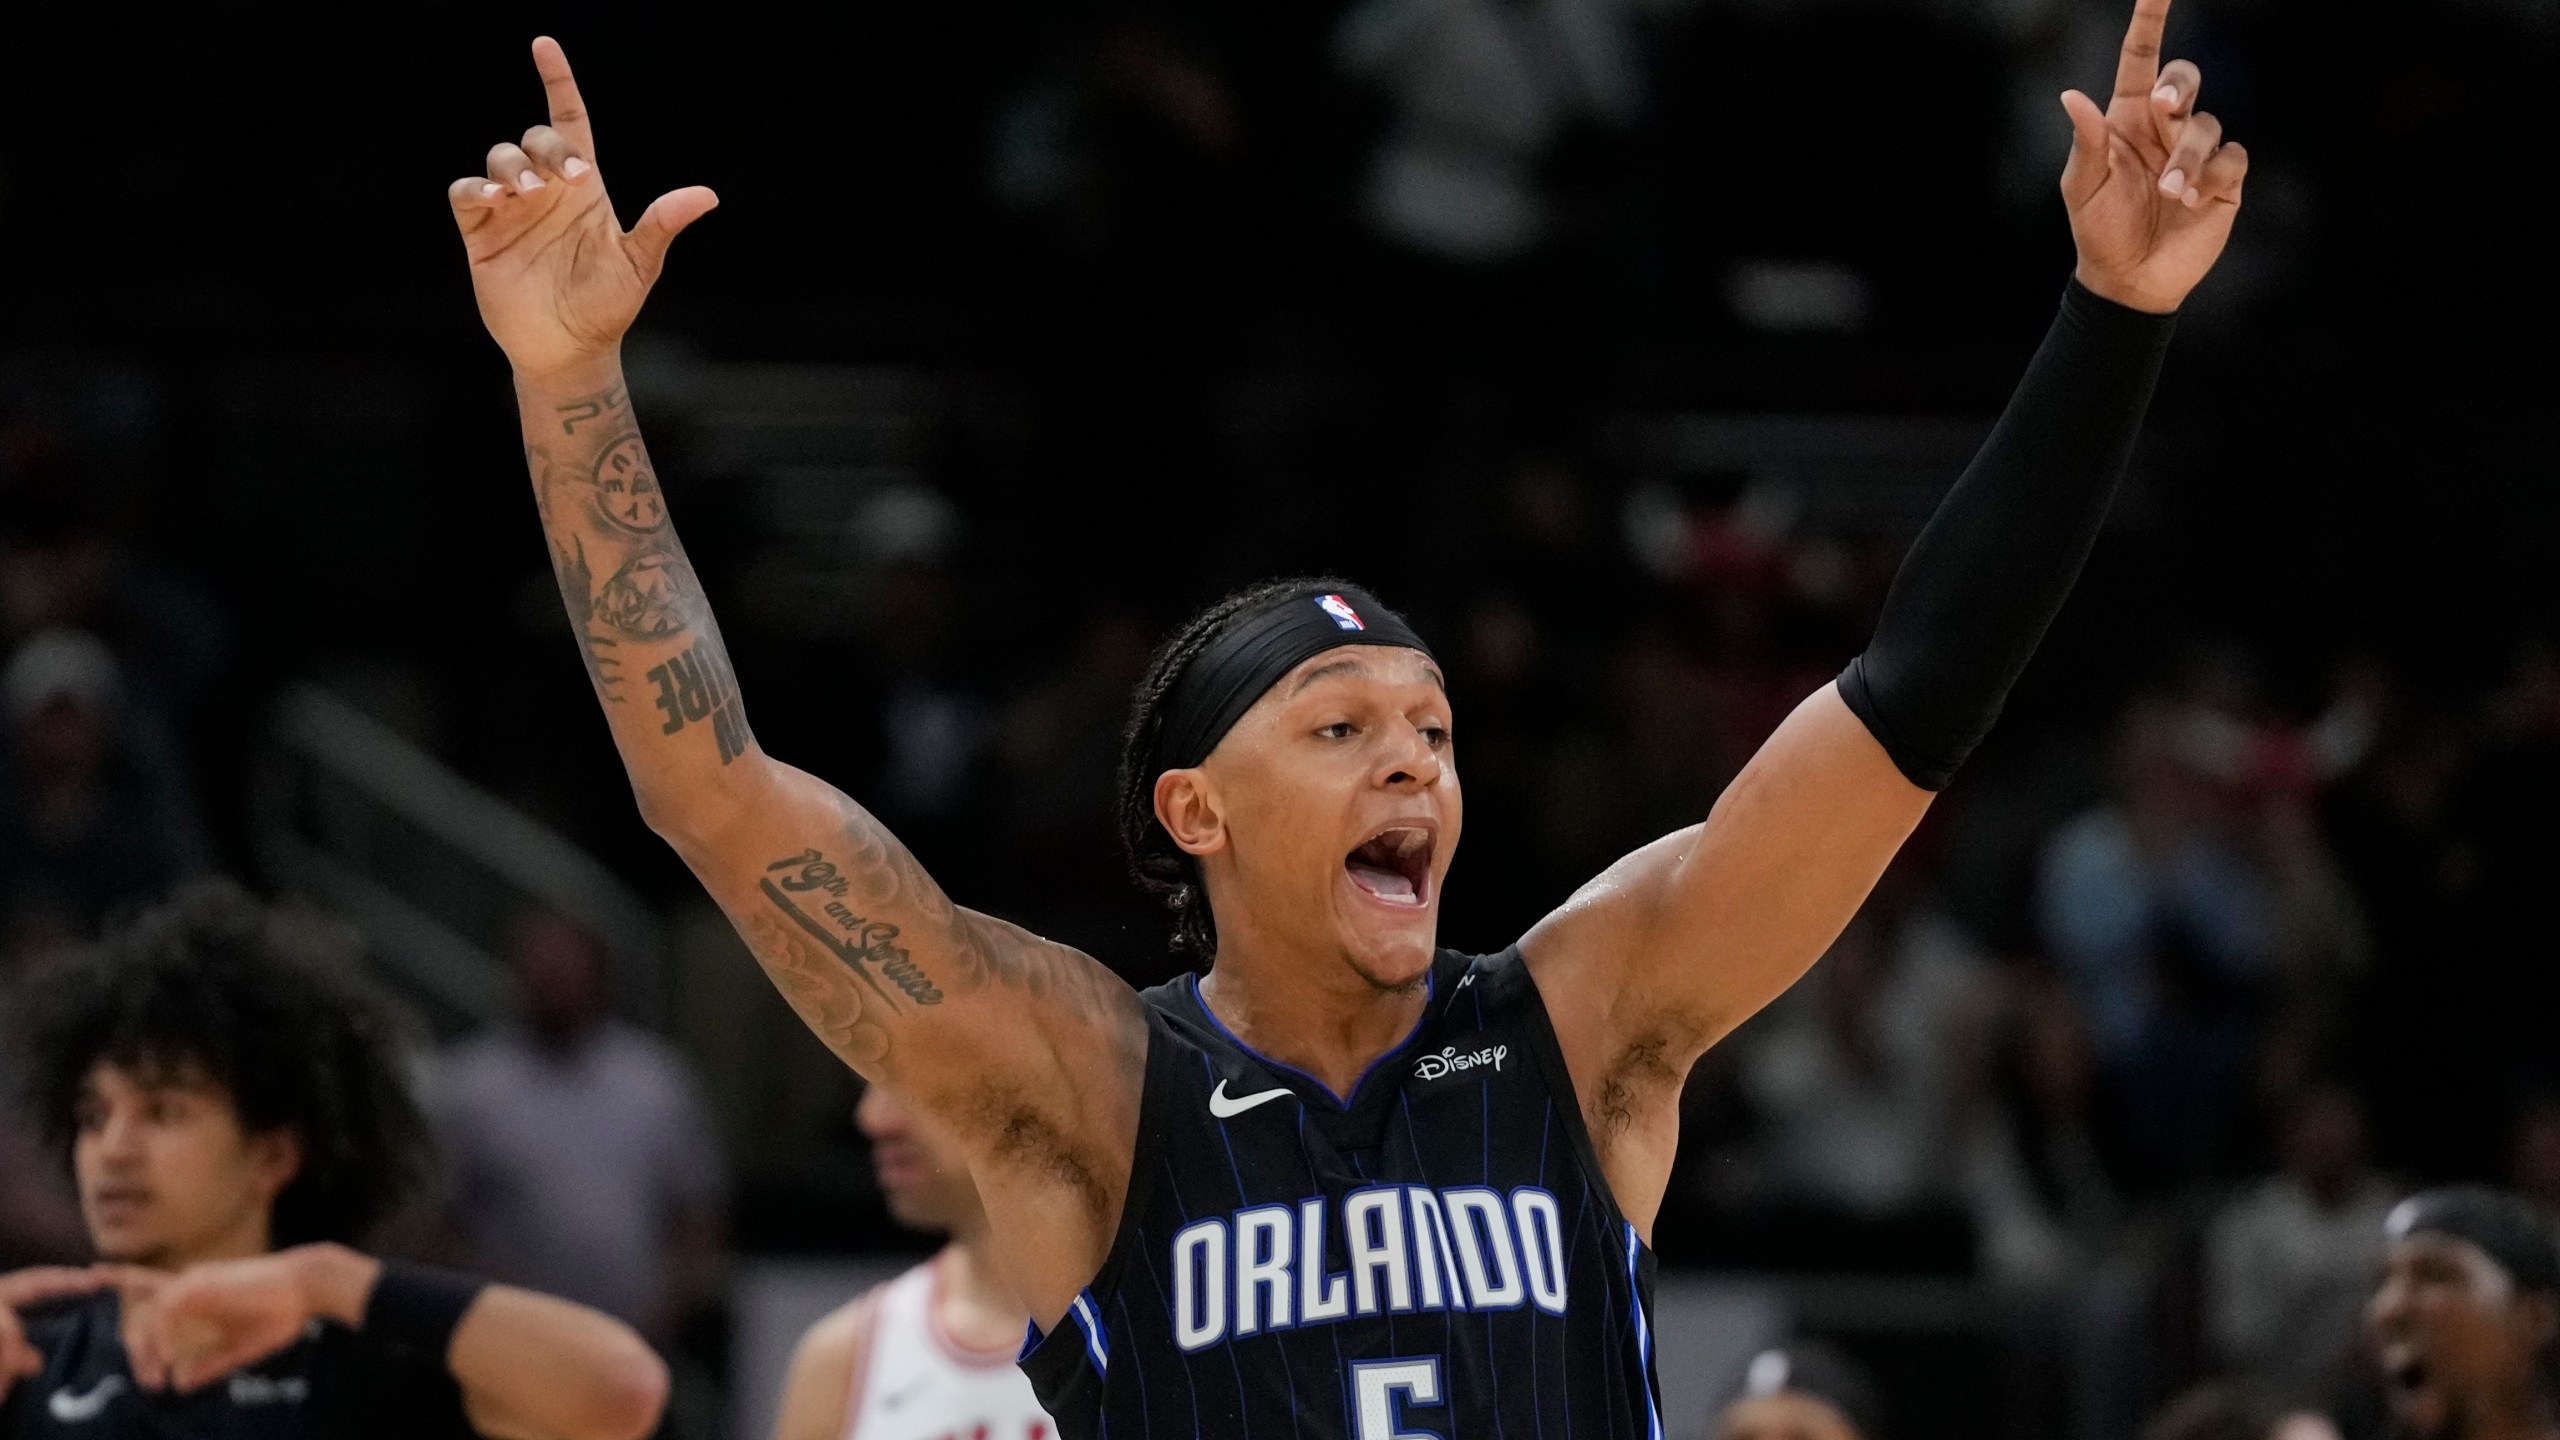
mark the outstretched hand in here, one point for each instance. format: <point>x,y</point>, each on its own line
<point>2151,187</point>
<point>557,277</point>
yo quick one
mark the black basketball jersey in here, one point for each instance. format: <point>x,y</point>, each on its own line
<point>1436,1256</point>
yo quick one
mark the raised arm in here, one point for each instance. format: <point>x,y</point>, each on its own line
<point>1030,1051</point>
<point>1675,945</point>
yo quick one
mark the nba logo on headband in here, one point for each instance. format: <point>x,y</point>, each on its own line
<point>1340,609</point>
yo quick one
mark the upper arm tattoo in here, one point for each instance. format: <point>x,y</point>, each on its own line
<point>820,930</point>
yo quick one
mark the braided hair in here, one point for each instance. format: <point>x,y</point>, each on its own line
<point>1159,866</point>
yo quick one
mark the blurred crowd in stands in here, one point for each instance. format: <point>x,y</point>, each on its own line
<point>2238,928</point>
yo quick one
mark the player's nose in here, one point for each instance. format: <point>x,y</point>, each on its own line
<point>1409,760</point>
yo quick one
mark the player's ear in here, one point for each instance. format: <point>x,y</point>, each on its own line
<point>275,1158</point>
<point>1187,806</point>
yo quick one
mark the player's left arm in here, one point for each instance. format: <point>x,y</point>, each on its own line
<point>530,1366</point>
<point>1678,943</point>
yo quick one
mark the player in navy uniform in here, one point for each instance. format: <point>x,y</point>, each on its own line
<point>235,1109</point>
<point>1344,1183</point>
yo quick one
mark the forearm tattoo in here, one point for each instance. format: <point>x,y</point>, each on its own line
<point>631,594</point>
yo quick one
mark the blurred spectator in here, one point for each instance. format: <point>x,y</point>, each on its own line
<point>1480,90</point>
<point>1865,1069</point>
<point>2034,1175</point>
<point>39,1217</point>
<point>2289,1264</point>
<point>1802,1391</point>
<point>92,809</point>
<point>932,1351</point>
<point>1058,746</point>
<point>581,1154</point>
<point>2463,1322</point>
<point>2161,923</point>
<point>64,564</point>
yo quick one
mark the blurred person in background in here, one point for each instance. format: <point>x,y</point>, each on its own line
<point>39,1215</point>
<point>930,1353</point>
<point>2289,1264</point>
<point>93,811</point>
<point>235,1109</point>
<point>2465,1321</point>
<point>1480,90</point>
<point>2161,922</point>
<point>66,563</point>
<point>1867,1070</point>
<point>1802,1391</point>
<point>580,1155</point>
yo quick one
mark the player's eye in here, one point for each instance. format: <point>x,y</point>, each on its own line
<point>1338,730</point>
<point>1436,736</point>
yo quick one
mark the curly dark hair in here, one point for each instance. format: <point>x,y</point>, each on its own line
<point>1161,867</point>
<point>270,1004</point>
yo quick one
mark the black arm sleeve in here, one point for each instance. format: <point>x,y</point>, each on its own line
<point>1993,565</point>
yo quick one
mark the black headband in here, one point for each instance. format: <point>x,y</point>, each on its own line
<point>2507,1228</point>
<point>1255,651</point>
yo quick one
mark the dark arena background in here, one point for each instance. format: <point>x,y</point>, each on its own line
<point>1023,329</point>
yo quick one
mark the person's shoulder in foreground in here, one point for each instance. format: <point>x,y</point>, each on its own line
<point>234,1106</point>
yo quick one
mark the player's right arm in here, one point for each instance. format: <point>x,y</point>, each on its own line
<point>1031,1052</point>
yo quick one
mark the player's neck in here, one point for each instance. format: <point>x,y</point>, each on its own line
<point>978,1308</point>
<point>1324,1019</point>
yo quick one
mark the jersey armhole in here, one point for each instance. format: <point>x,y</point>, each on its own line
<point>1509,969</point>
<point>1078,1332</point>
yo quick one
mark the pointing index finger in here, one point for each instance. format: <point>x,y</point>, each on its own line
<point>568,111</point>
<point>2137,65</point>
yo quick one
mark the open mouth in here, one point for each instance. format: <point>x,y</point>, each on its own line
<point>1394,865</point>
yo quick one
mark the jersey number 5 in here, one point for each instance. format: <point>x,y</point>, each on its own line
<point>1381,1388</point>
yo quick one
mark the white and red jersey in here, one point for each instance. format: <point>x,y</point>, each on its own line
<point>912,1380</point>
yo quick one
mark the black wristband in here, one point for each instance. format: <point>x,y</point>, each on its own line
<point>418,1307</point>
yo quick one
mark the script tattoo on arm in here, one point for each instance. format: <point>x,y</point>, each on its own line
<point>806,887</point>
<point>631,594</point>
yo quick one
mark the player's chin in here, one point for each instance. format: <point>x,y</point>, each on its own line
<point>1391,944</point>
<point>2417,1409</point>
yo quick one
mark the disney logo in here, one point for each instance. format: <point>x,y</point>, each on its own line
<point>1432,1067</point>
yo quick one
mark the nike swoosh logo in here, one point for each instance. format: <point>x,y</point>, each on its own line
<point>72,1409</point>
<point>1226,1109</point>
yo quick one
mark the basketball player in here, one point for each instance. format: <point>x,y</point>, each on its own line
<point>235,1112</point>
<point>2466,1322</point>
<point>929,1354</point>
<point>1345,1182</point>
